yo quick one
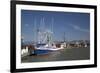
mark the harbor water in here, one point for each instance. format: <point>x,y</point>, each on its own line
<point>66,54</point>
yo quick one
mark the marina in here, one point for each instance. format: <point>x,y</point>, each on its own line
<point>45,41</point>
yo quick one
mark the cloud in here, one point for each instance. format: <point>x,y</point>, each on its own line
<point>26,25</point>
<point>79,28</point>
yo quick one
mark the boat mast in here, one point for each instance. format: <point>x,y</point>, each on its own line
<point>35,31</point>
<point>45,35</point>
<point>64,38</point>
<point>52,29</point>
<point>41,31</point>
<point>22,40</point>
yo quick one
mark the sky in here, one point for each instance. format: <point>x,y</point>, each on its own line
<point>71,25</point>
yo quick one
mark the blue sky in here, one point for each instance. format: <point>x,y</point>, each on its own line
<point>76,26</point>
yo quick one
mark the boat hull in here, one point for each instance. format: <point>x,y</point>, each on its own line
<point>40,52</point>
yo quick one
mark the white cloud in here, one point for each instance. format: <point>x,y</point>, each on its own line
<point>26,25</point>
<point>79,28</point>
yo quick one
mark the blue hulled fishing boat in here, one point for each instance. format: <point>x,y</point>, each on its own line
<point>44,40</point>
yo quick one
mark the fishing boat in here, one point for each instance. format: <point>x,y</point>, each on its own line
<point>44,44</point>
